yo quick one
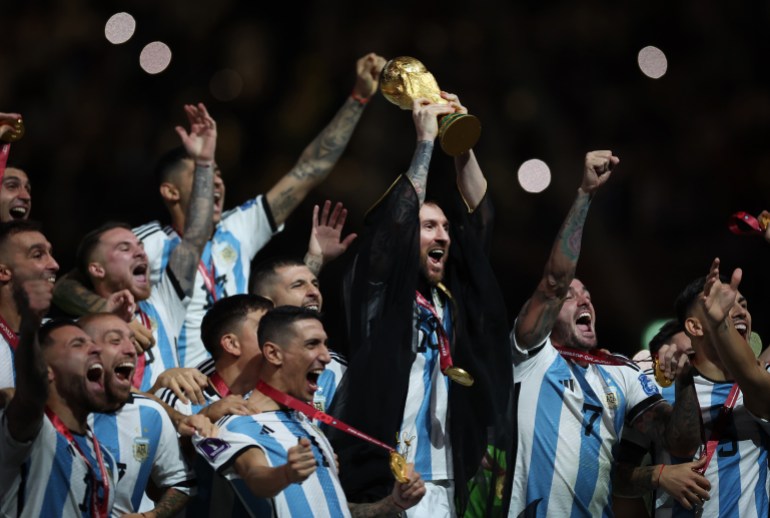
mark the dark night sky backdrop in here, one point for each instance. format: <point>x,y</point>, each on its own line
<point>549,80</point>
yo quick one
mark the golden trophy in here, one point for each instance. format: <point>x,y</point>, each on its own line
<point>405,79</point>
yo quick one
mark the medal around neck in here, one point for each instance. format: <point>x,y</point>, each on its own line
<point>459,375</point>
<point>16,132</point>
<point>405,79</point>
<point>661,378</point>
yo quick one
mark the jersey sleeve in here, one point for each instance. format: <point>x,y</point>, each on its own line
<point>641,393</point>
<point>168,298</point>
<point>253,224</point>
<point>235,437</point>
<point>12,453</point>
<point>167,396</point>
<point>170,468</point>
<point>536,359</point>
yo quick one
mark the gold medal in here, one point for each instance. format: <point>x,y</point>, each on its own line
<point>398,466</point>
<point>459,375</point>
<point>16,132</point>
<point>661,378</point>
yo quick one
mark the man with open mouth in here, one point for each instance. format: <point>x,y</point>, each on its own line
<point>732,388</point>
<point>573,401</point>
<point>424,307</point>
<point>111,258</point>
<point>278,462</point>
<point>15,195</point>
<point>25,254</point>
<point>51,464</point>
<point>135,429</point>
<point>240,233</point>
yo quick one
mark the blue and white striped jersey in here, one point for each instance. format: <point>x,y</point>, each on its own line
<point>320,495</point>
<point>165,308</point>
<point>240,234</point>
<point>47,476</point>
<point>424,424</point>
<point>738,470</point>
<point>144,443</point>
<point>570,418</point>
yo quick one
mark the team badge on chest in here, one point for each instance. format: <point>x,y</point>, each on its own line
<point>141,449</point>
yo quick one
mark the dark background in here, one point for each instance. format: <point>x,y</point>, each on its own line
<point>548,81</point>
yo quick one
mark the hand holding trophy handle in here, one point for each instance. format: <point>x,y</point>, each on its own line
<point>405,80</point>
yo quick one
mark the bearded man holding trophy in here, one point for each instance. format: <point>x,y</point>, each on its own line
<point>430,367</point>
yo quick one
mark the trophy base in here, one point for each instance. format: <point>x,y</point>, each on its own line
<point>458,133</point>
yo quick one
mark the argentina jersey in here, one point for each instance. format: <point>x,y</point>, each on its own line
<point>570,418</point>
<point>144,443</point>
<point>164,313</point>
<point>738,470</point>
<point>51,478</point>
<point>275,432</point>
<point>424,434</point>
<point>240,234</point>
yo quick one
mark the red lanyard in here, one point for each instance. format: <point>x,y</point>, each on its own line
<point>219,384</point>
<point>141,362</point>
<point>719,425</point>
<point>209,278</point>
<point>5,148</point>
<point>101,508</point>
<point>587,357</point>
<point>10,337</point>
<point>313,413</point>
<point>445,357</point>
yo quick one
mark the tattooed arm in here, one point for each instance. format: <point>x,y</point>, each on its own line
<point>170,504</point>
<point>318,159</point>
<point>538,315</point>
<point>200,144</point>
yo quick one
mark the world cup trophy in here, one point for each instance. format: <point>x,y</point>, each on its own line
<point>11,130</point>
<point>405,79</point>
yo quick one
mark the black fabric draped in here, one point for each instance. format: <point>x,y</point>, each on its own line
<point>379,297</point>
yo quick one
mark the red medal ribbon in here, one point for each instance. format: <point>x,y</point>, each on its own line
<point>140,359</point>
<point>219,384</point>
<point>719,425</point>
<point>101,508</point>
<point>587,357</point>
<point>209,278</point>
<point>10,337</point>
<point>445,357</point>
<point>313,413</point>
<point>5,148</point>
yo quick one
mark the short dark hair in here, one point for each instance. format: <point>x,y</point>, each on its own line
<point>686,300</point>
<point>225,315</point>
<point>664,334</point>
<point>89,242</point>
<point>49,326</point>
<point>275,325</point>
<point>170,163</point>
<point>11,228</point>
<point>265,272</point>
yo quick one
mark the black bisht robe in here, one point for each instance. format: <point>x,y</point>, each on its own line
<point>379,295</point>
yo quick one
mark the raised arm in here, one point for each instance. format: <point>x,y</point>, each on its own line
<point>326,242</point>
<point>318,158</point>
<point>470,179</point>
<point>724,306</point>
<point>25,411</point>
<point>425,116</point>
<point>200,143</point>
<point>538,315</point>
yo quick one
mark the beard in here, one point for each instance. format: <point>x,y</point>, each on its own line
<point>432,276</point>
<point>565,335</point>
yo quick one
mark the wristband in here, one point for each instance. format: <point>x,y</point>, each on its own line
<point>204,165</point>
<point>360,100</point>
<point>657,483</point>
<point>397,504</point>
